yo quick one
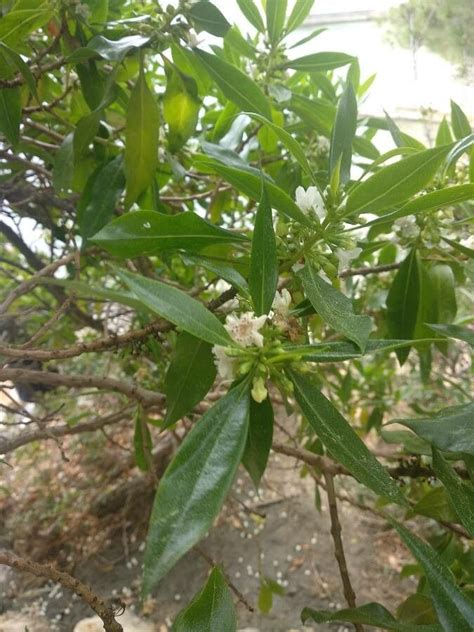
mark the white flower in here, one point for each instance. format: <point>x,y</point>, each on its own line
<point>407,227</point>
<point>345,257</point>
<point>310,200</point>
<point>244,329</point>
<point>193,39</point>
<point>281,302</point>
<point>259,391</point>
<point>225,365</point>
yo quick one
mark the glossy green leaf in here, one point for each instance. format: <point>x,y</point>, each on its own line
<point>236,86</point>
<point>343,134</point>
<point>450,430</point>
<point>180,106</point>
<point>147,232</point>
<point>82,288</point>
<point>461,147</point>
<point>99,206</point>
<point>142,443</point>
<point>459,122</point>
<point>454,331</point>
<point>178,308</point>
<point>400,138</point>
<point>434,200</point>
<point>276,13</point>
<point>455,610</point>
<point>342,440</point>
<point>319,62</point>
<point>395,183</point>
<point>10,114</point>
<point>207,17</point>
<point>259,440</point>
<point>189,377</point>
<point>335,308</point>
<point>263,279</point>
<point>318,114</point>
<point>141,140</point>
<point>196,483</point>
<point>373,614</point>
<point>211,609</point>
<point>443,286</point>
<point>435,504</point>
<point>460,493</point>
<point>251,12</point>
<point>224,271</point>
<point>63,169</point>
<point>116,50</point>
<point>299,14</point>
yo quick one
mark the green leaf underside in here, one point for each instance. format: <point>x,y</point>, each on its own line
<point>196,483</point>
<point>454,331</point>
<point>450,430</point>
<point>455,610</point>
<point>460,493</point>
<point>189,377</point>
<point>395,183</point>
<point>143,233</point>
<point>178,308</point>
<point>263,279</point>
<point>342,441</point>
<point>211,609</point>
<point>369,614</point>
<point>340,351</point>
<point>335,308</point>
<point>319,62</point>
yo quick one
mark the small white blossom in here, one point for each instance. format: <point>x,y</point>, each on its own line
<point>345,257</point>
<point>281,302</point>
<point>226,366</point>
<point>323,145</point>
<point>407,227</point>
<point>310,200</point>
<point>245,329</point>
<point>259,392</point>
<point>193,39</point>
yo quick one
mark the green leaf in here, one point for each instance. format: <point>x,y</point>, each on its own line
<point>459,122</point>
<point>450,430</point>
<point>342,441</point>
<point>189,377</point>
<point>178,308</point>
<point>259,440</point>
<point>290,143</point>
<point>335,308</point>
<point>23,68</point>
<point>141,140</point>
<point>63,170</point>
<point>99,206</point>
<point>196,483</point>
<point>299,14</point>
<point>251,12</point>
<point>343,133</point>
<point>236,86</point>
<point>403,302</point>
<point>263,279</point>
<point>142,443</point>
<point>443,135</point>
<point>24,17</point>
<point>372,614</point>
<point>207,17</point>
<point>443,287</point>
<point>454,331</point>
<point>82,288</point>
<point>455,610</point>
<point>116,50</point>
<point>417,609</point>
<point>223,270</point>
<point>395,183</point>
<point>400,138</point>
<point>460,493</point>
<point>435,504</point>
<point>469,252</point>
<point>319,62</point>
<point>10,114</point>
<point>318,114</point>
<point>276,12</point>
<point>211,609</point>
<point>180,106</point>
<point>148,232</point>
<point>462,146</point>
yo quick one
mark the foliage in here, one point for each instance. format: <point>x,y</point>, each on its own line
<point>226,207</point>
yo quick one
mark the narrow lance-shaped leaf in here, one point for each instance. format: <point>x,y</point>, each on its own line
<point>141,140</point>
<point>196,483</point>
<point>343,133</point>
<point>189,377</point>
<point>142,443</point>
<point>259,440</point>
<point>180,106</point>
<point>251,12</point>
<point>455,610</point>
<point>299,14</point>
<point>460,493</point>
<point>147,232</point>
<point>443,135</point>
<point>211,609</point>
<point>10,114</point>
<point>207,17</point>
<point>335,308</point>
<point>235,85</point>
<point>319,62</point>
<point>276,12</point>
<point>454,331</point>
<point>459,122</point>
<point>263,279</point>
<point>342,441</point>
<point>396,183</point>
<point>178,308</point>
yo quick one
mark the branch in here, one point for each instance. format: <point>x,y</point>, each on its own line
<point>369,270</point>
<point>336,533</point>
<point>98,605</point>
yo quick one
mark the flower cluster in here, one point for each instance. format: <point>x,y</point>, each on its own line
<point>311,200</point>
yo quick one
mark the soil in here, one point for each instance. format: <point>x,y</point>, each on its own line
<point>278,533</point>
